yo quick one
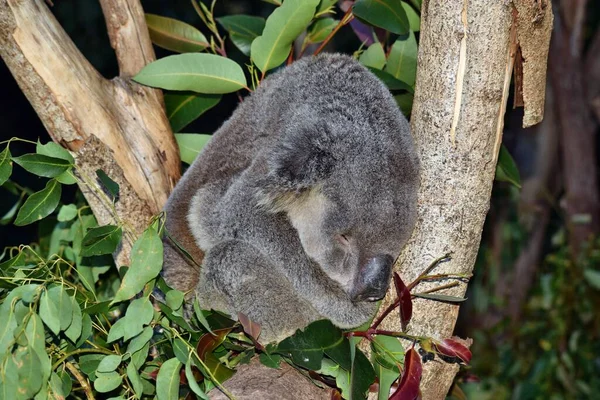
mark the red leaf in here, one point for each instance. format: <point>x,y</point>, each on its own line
<point>408,389</point>
<point>250,327</point>
<point>454,348</point>
<point>208,342</point>
<point>405,301</point>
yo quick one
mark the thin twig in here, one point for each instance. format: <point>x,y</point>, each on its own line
<point>81,379</point>
<point>346,19</point>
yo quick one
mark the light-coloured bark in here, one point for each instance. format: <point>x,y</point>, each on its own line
<point>114,125</point>
<point>465,64</point>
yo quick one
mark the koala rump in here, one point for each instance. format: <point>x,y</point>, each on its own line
<point>301,201</point>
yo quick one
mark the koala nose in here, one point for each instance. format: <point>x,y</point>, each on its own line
<point>373,279</point>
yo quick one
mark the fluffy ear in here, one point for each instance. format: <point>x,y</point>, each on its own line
<point>299,163</point>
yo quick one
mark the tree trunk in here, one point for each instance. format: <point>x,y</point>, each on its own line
<point>465,62</point>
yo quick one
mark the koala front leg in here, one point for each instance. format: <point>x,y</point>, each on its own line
<point>237,278</point>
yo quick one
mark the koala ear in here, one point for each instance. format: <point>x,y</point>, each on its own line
<point>298,164</point>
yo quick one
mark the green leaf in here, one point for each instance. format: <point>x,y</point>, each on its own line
<point>8,326</point>
<point>109,363</point>
<point>324,5</point>
<point>185,107</point>
<point>201,318</point>
<point>242,29</point>
<point>414,20</point>
<point>10,214</point>
<point>36,340</point>
<point>67,177</point>
<point>506,170</point>
<point>167,380</point>
<point>198,72</point>
<point>67,213</point>
<point>190,145</point>
<point>373,57</point>
<point>392,83</point>
<point>5,165</point>
<point>388,352</point>
<point>440,297</point>
<point>88,364</point>
<point>107,382</point>
<point>136,381</point>
<point>270,360</point>
<point>75,329</point>
<point>138,342</point>
<point>40,204</point>
<point>42,165</point>
<point>174,299</point>
<point>139,313</point>
<point>283,26</point>
<point>175,35</point>
<point>56,385</point>
<point>386,14</point>
<point>146,263</point>
<point>306,347</point>
<point>320,29</point>
<point>362,375</point>
<point>592,277</point>
<point>386,379</point>
<point>55,150</point>
<point>111,186</point>
<point>49,313</point>
<point>192,382</point>
<point>8,379</point>
<point>405,101</point>
<point>101,240</point>
<point>29,371</point>
<point>402,60</point>
<point>58,295</point>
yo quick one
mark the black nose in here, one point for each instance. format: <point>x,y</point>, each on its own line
<point>373,279</point>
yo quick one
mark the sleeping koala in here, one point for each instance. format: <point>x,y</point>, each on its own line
<point>301,201</point>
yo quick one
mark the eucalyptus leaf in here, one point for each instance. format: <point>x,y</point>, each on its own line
<point>49,313</point>
<point>414,20</point>
<point>373,57</point>
<point>198,72</point>
<point>136,381</point>
<point>52,149</point>
<point>67,213</point>
<point>320,29</point>
<point>192,382</point>
<point>190,145</point>
<point>242,29</point>
<point>167,380</point>
<point>29,370</point>
<point>175,35</point>
<point>440,297</point>
<point>41,165</point>
<point>386,14</point>
<point>63,303</point>
<point>592,277</point>
<point>283,26</point>
<point>184,107</point>
<point>5,165</point>
<point>40,204</point>
<point>111,186</point>
<point>402,60</point>
<point>109,363</point>
<point>101,240</point>
<point>107,382</point>
<point>506,169</point>
<point>146,263</point>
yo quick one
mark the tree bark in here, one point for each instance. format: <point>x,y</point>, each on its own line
<point>116,126</point>
<point>465,62</point>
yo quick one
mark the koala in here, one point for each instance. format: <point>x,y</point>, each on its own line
<point>300,202</point>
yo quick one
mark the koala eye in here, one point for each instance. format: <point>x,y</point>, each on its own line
<point>343,239</point>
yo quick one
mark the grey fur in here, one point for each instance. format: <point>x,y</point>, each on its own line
<point>319,150</point>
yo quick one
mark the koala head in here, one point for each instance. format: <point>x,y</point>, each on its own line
<point>349,189</point>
